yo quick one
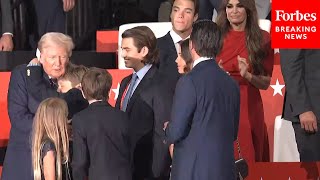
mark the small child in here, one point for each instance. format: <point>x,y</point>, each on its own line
<point>50,143</point>
<point>72,78</point>
<point>101,133</point>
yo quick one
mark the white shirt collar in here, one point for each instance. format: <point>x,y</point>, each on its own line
<point>143,71</point>
<point>175,37</point>
<point>197,61</point>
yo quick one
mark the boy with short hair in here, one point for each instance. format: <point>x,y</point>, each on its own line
<point>72,78</point>
<point>100,133</point>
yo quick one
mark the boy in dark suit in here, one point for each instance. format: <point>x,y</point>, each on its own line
<point>72,78</point>
<point>100,133</point>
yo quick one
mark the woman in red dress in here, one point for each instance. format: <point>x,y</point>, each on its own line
<point>247,56</point>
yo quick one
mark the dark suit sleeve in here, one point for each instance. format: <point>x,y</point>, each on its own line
<point>6,15</point>
<point>80,162</point>
<point>162,101</point>
<point>237,111</point>
<point>161,104</point>
<point>184,105</point>
<point>20,116</point>
<point>292,66</point>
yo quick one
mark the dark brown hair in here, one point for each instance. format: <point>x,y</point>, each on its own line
<point>206,38</point>
<point>185,54</point>
<point>196,6</point>
<point>253,32</point>
<point>96,84</point>
<point>144,37</point>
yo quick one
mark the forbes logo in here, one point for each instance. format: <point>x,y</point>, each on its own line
<point>295,16</point>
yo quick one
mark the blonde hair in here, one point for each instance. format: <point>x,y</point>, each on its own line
<point>50,122</point>
<point>56,38</point>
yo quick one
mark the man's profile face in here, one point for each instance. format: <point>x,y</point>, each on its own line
<point>183,15</point>
<point>54,59</point>
<point>132,57</point>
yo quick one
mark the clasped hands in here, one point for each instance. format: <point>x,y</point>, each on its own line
<point>243,67</point>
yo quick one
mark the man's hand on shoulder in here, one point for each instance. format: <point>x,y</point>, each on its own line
<point>308,122</point>
<point>6,42</point>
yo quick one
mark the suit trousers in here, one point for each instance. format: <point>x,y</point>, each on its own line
<point>308,144</point>
<point>206,8</point>
<point>50,16</point>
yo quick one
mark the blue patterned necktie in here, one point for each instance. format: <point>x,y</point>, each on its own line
<point>129,92</point>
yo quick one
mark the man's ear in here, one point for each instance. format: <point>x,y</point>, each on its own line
<point>144,51</point>
<point>195,18</point>
<point>190,45</point>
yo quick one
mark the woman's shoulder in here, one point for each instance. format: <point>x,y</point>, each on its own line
<point>47,146</point>
<point>265,34</point>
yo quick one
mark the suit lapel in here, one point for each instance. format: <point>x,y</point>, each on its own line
<point>142,85</point>
<point>171,48</point>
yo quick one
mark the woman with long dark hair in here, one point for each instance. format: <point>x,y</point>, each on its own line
<point>246,55</point>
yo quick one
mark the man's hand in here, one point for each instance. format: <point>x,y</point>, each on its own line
<point>34,61</point>
<point>165,125</point>
<point>308,122</point>
<point>6,43</point>
<point>68,5</point>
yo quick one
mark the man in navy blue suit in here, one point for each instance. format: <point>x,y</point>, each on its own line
<point>29,85</point>
<point>205,113</point>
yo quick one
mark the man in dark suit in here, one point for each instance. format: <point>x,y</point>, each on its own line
<point>50,15</point>
<point>183,14</point>
<point>301,73</point>
<point>206,8</point>
<point>28,86</point>
<point>143,97</point>
<point>205,113</point>
<point>6,26</point>
<point>100,133</point>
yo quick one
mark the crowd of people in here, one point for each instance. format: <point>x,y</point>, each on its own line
<point>192,101</point>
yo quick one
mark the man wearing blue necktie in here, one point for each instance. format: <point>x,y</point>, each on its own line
<point>144,97</point>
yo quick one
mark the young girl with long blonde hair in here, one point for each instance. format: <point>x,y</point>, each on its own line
<point>50,144</point>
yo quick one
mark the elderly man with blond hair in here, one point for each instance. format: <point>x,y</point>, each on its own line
<point>29,85</point>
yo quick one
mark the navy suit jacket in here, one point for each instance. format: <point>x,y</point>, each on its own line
<point>204,124</point>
